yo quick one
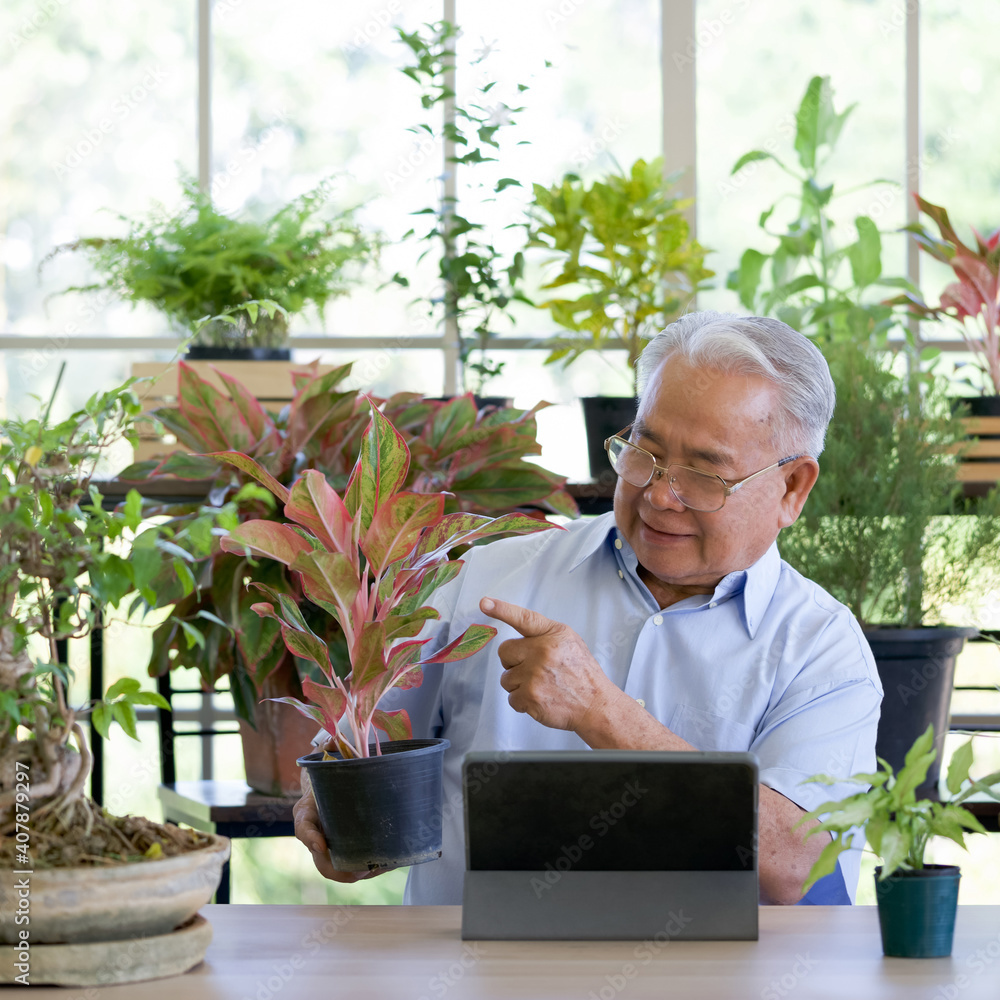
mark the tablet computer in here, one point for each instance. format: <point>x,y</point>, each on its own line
<point>611,845</point>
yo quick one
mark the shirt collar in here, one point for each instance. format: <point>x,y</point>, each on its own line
<point>755,584</point>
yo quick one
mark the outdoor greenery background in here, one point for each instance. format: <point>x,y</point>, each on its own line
<point>295,100</point>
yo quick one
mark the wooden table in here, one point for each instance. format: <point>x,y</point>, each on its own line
<point>408,953</point>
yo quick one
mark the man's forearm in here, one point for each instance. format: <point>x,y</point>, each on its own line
<point>620,723</point>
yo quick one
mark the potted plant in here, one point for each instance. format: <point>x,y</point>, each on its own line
<point>624,250</point>
<point>233,282</point>
<point>476,456</point>
<point>478,281</point>
<point>916,901</point>
<point>82,874</point>
<point>370,560</point>
<point>882,529</point>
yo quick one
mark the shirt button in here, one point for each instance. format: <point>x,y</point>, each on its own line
<point>658,620</point>
<point>713,604</point>
<point>618,543</point>
<point>640,702</point>
<point>621,575</point>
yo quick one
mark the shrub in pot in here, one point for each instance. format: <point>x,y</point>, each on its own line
<point>208,272</point>
<point>477,456</point>
<point>624,252</point>
<point>370,560</point>
<point>89,876</point>
<point>916,902</point>
<point>882,529</point>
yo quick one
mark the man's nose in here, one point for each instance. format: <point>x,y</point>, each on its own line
<point>659,494</point>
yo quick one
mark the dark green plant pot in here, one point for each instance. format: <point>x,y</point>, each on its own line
<point>380,811</point>
<point>916,911</point>
<point>200,352</point>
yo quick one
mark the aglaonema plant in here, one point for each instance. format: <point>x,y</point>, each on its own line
<point>370,560</point>
<point>476,456</point>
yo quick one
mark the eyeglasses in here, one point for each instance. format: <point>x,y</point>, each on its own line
<point>696,490</point>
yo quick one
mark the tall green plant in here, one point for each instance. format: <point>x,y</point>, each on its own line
<point>479,282</point>
<point>878,530</point>
<point>624,244</point>
<point>817,278</point>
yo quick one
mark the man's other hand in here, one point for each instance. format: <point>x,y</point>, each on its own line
<point>549,672</point>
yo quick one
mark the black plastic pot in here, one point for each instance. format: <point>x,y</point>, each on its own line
<point>197,352</point>
<point>917,668</point>
<point>382,811</point>
<point>982,406</point>
<point>916,911</point>
<point>604,416</point>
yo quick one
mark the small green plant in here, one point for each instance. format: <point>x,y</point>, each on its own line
<point>479,282</point>
<point>370,560</point>
<point>197,265</point>
<point>625,243</point>
<point>897,824</point>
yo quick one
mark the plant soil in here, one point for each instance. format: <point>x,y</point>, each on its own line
<point>82,833</point>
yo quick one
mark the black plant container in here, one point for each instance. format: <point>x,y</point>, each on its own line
<point>382,811</point>
<point>917,669</point>
<point>198,352</point>
<point>604,416</point>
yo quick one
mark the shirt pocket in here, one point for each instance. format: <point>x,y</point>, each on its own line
<point>705,731</point>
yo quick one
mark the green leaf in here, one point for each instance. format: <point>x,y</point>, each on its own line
<point>124,714</point>
<point>826,863</point>
<point>865,255</point>
<point>101,718</point>
<point>132,510</point>
<point>958,768</point>
<point>125,685</point>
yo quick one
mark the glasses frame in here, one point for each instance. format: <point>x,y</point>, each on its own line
<point>729,487</point>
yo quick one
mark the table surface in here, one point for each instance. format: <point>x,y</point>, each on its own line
<point>409,953</point>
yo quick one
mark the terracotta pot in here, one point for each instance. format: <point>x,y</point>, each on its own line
<point>282,736</point>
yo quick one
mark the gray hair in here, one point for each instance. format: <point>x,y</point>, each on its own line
<point>755,345</point>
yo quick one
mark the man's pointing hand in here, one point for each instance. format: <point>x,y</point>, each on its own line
<point>549,673</point>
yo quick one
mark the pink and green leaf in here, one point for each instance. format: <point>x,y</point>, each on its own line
<point>256,471</point>
<point>267,538</point>
<point>309,711</point>
<point>396,725</point>
<point>368,656</point>
<point>396,527</point>
<point>315,505</point>
<point>382,466</point>
<point>473,639</point>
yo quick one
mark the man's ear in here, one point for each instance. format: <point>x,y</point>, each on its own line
<point>800,477</point>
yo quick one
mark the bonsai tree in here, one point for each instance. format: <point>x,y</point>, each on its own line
<point>477,456</point>
<point>197,265</point>
<point>370,560</point>
<point>974,299</point>
<point>61,565</point>
<point>623,245</point>
<point>897,824</point>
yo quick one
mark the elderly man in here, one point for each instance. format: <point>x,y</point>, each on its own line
<point>671,624</point>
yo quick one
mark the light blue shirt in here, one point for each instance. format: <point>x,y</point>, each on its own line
<point>768,663</point>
